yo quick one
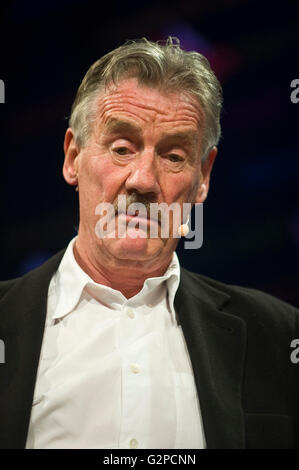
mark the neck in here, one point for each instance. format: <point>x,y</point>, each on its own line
<point>128,278</point>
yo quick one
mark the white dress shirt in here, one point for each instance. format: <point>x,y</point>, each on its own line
<point>114,373</point>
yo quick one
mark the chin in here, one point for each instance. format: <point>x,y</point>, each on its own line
<point>141,249</point>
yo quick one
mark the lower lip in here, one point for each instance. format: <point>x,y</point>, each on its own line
<point>140,220</point>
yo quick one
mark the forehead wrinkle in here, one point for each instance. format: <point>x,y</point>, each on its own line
<point>129,91</point>
<point>117,119</point>
<point>122,112</point>
<point>180,111</point>
<point>121,100</point>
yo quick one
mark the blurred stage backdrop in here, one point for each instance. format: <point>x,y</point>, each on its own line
<point>251,217</point>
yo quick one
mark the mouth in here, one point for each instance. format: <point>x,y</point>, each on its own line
<point>143,222</point>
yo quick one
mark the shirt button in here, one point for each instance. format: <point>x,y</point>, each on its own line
<point>133,444</point>
<point>130,313</point>
<point>135,368</point>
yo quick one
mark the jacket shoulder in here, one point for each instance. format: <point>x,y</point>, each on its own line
<point>44,271</point>
<point>249,302</point>
<point>5,286</point>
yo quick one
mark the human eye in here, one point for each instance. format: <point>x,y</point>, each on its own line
<point>175,158</point>
<point>121,150</point>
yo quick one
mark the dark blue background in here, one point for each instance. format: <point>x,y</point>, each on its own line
<point>251,217</point>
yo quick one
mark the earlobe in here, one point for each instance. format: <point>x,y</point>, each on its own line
<point>204,191</point>
<point>71,152</point>
<point>201,194</point>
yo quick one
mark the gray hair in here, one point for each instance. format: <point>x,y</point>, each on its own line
<point>161,64</point>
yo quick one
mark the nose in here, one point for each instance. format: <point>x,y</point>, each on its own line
<point>143,177</point>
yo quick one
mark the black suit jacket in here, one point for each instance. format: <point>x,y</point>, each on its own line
<point>239,344</point>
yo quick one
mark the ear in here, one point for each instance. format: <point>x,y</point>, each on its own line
<point>206,169</point>
<point>70,166</point>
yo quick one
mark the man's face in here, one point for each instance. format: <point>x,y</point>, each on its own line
<point>144,143</point>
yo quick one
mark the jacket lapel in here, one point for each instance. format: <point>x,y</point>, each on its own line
<point>216,344</point>
<point>23,314</point>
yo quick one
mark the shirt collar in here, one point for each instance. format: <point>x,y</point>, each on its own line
<point>70,281</point>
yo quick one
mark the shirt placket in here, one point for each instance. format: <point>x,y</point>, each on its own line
<point>146,386</point>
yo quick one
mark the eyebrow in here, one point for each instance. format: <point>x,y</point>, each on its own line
<point>188,137</point>
<point>116,126</point>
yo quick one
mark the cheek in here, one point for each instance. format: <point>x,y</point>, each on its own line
<point>102,179</point>
<point>182,187</point>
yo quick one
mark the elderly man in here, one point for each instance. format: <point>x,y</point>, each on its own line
<point>111,344</point>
